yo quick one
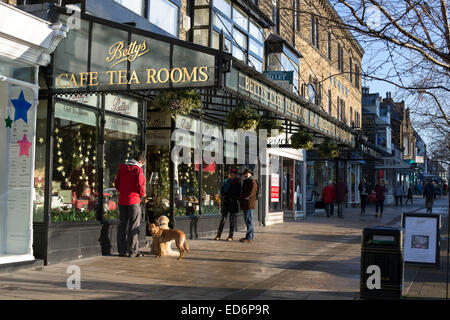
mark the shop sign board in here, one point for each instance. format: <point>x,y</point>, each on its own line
<point>422,238</point>
<point>277,101</point>
<point>125,60</point>
<point>121,105</point>
<point>275,187</point>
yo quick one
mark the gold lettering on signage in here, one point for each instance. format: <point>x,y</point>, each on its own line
<point>93,77</point>
<point>111,76</point>
<point>159,75</point>
<point>180,75</point>
<point>122,77</point>
<point>58,80</point>
<point>73,81</point>
<point>118,54</point>
<point>188,77</point>
<point>83,78</point>
<point>151,73</point>
<point>203,72</point>
<point>134,77</point>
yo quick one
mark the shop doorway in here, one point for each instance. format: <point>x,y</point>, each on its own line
<point>288,185</point>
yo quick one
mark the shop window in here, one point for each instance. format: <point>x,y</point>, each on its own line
<point>186,175</point>
<point>122,142</point>
<point>164,14</point>
<point>275,183</point>
<point>288,185</point>
<point>212,172</point>
<point>75,172</point>
<point>40,161</point>
<point>158,161</point>
<point>298,192</point>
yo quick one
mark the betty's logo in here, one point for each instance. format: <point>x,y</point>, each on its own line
<point>120,106</point>
<point>118,54</point>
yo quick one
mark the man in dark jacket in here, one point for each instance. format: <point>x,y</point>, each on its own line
<point>248,202</point>
<point>429,194</point>
<point>230,192</point>
<point>130,183</point>
<point>341,191</point>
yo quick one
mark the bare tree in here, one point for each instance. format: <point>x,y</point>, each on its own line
<point>412,40</point>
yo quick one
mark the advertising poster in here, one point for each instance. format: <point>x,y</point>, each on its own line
<point>275,187</point>
<point>421,238</point>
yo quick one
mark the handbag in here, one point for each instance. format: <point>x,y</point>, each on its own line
<point>373,196</point>
<point>320,204</point>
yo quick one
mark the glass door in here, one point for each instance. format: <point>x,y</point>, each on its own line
<point>288,185</point>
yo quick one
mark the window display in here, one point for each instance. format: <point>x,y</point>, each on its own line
<point>122,142</point>
<point>298,192</point>
<point>275,183</point>
<point>75,171</point>
<point>39,164</point>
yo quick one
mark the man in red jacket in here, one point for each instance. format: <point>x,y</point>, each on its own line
<point>130,183</point>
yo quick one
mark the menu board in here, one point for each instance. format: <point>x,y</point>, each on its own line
<point>17,108</point>
<point>421,242</point>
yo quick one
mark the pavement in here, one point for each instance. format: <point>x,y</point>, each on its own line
<point>317,258</point>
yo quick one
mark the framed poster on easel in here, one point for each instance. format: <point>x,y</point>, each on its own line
<point>421,239</point>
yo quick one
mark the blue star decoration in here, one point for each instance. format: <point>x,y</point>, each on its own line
<point>21,105</point>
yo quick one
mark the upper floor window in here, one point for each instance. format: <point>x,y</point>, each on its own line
<point>137,6</point>
<point>243,36</point>
<point>329,45</point>
<point>315,31</point>
<point>296,15</point>
<point>167,21</point>
<point>340,58</point>
<point>350,68</point>
<point>357,76</point>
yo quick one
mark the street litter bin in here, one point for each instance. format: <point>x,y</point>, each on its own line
<point>382,263</point>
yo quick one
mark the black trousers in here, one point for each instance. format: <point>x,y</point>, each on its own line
<point>228,209</point>
<point>329,208</point>
<point>398,198</point>
<point>379,204</point>
<point>128,230</point>
<point>363,203</point>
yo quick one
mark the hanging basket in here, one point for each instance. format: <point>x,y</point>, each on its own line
<point>269,125</point>
<point>177,102</point>
<point>328,149</point>
<point>244,118</point>
<point>302,140</point>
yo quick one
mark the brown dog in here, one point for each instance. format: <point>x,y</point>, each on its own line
<point>166,249</point>
<point>165,235</point>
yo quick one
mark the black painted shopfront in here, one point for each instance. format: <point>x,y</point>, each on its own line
<point>96,110</point>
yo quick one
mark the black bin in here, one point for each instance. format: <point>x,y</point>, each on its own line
<point>383,247</point>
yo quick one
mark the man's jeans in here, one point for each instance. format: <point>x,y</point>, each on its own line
<point>128,230</point>
<point>248,217</point>
<point>329,208</point>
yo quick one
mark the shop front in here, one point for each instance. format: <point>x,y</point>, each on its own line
<point>99,109</point>
<point>284,183</point>
<point>22,52</point>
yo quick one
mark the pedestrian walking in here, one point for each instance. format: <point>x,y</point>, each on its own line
<point>398,194</point>
<point>230,192</point>
<point>130,183</point>
<point>363,193</point>
<point>429,194</point>
<point>328,198</point>
<point>341,191</point>
<point>380,190</point>
<point>409,196</point>
<point>248,202</point>
<point>445,189</point>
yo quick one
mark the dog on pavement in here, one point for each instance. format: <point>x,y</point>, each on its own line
<point>165,235</point>
<point>166,248</point>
